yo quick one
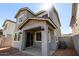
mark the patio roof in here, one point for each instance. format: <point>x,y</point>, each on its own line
<point>38,18</point>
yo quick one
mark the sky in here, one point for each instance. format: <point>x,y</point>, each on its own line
<point>9,10</point>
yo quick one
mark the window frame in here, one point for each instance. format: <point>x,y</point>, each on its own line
<point>21,18</point>
<point>15,37</point>
<point>36,36</point>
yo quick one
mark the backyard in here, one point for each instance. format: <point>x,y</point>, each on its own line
<point>10,51</point>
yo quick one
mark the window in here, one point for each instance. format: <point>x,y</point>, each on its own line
<point>15,37</point>
<point>45,16</point>
<point>22,18</point>
<point>76,24</point>
<point>19,35</point>
<point>5,27</point>
<point>38,36</point>
<point>9,35</point>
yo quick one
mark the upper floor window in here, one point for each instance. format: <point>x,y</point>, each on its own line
<point>15,37</point>
<point>45,16</point>
<point>22,18</point>
<point>5,27</point>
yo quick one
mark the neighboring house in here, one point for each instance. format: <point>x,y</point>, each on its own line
<point>66,35</point>
<point>1,35</point>
<point>8,28</point>
<point>1,32</point>
<point>37,33</point>
<point>74,24</point>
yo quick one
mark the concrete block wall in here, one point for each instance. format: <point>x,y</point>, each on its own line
<point>76,42</point>
<point>67,40</point>
<point>6,42</point>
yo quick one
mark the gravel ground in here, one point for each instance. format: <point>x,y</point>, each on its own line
<point>10,51</point>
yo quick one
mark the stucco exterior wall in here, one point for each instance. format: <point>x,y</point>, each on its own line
<point>54,18</point>
<point>16,44</point>
<point>76,42</point>
<point>52,43</point>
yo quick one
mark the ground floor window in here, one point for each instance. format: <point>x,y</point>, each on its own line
<point>15,37</point>
<point>19,36</point>
<point>38,36</point>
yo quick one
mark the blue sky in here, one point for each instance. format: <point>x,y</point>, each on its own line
<point>8,11</point>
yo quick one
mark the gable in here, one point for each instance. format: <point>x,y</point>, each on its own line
<point>21,12</point>
<point>32,23</point>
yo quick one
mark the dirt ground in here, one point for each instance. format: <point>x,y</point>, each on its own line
<point>10,51</point>
<point>65,52</point>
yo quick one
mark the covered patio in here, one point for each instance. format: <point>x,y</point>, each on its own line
<point>36,39</point>
<point>39,47</point>
<point>32,51</point>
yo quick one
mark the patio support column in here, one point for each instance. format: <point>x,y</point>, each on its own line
<point>53,40</point>
<point>45,41</point>
<point>23,41</point>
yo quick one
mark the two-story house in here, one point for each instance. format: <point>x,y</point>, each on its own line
<point>37,34</point>
<point>1,32</point>
<point>8,28</point>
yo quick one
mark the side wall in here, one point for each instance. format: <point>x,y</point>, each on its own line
<point>67,40</point>
<point>76,42</point>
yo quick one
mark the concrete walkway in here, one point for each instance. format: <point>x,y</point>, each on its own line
<point>65,52</point>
